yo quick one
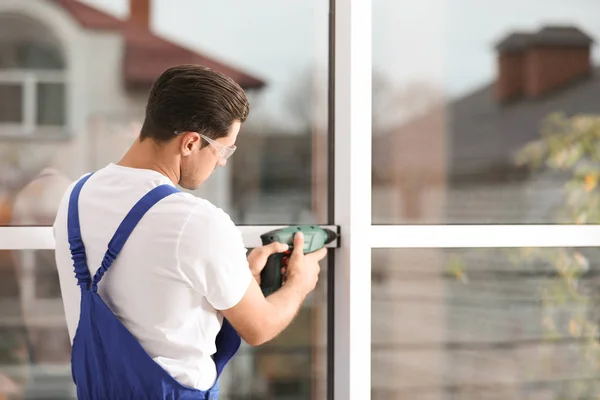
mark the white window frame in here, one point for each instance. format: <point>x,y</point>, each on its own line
<point>353,137</point>
<point>352,199</point>
<point>352,211</point>
<point>29,80</point>
<point>380,236</point>
<point>42,238</point>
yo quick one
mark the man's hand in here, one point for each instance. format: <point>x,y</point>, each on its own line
<point>259,319</point>
<point>257,259</point>
<point>303,269</point>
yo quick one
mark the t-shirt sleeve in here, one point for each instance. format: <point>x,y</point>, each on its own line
<point>212,257</point>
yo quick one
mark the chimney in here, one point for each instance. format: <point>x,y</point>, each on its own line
<point>512,53</point>
<point>139,13</point>
<point>532,65</point>
<point>557,57</point>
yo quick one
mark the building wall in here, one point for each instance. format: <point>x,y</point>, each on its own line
<point>408,289</point>
<point>93,73</point>
<point>102,117</point>
<point>535,200</point>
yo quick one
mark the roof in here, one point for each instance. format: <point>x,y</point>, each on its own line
<point>477,134</point>
<point>517,41</point>
<point>484,133</point>
<point>569,36</point>
<point>561,36</point>
<point>146,54</point>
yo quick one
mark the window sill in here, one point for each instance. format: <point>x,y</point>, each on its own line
<point>52,134</point>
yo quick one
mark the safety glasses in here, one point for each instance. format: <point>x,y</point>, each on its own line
<point>224,152</point>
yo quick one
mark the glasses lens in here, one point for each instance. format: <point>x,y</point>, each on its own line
<point>226,152</point>
<point>223,151</point>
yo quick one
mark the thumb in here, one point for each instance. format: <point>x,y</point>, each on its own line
<point>298,244</point>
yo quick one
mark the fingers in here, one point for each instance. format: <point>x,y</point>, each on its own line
<point>317,255</point>
<point>271,248</point>
<point>275,247</point>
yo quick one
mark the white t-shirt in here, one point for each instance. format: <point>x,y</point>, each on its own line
<point>184,261</point>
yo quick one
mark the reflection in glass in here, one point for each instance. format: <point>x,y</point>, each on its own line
<point>88,108</point>
<point>32,76</point>
<point>51,104</point>
<point>11,98</point>
<point>485,324</point>
<point>292,366</point>
<point>74,97</point>
<point>453,114</point>
<point>34,347</point>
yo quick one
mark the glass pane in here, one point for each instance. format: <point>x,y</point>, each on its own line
<point>11,103</point>
<point>293,365</point>
<point>39,56</point>
<point>35,348</point>
<point>278,175</point>
<point>485,324</point>
<point>14,55</point>
<point>51,103</point>
<point>26,43</point>
<point>483,114</point>
<point>278,51</point>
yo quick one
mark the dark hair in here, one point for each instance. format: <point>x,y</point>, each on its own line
<point>193,98</point>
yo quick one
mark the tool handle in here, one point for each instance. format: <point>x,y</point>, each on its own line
<point>271,278</point>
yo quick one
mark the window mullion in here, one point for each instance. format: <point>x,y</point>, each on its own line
<point>29,102</point>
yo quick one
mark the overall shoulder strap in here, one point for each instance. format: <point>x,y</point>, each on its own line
<point>76,246</point>
<point>128,225</point>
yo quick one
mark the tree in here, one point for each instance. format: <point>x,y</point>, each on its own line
<point>392,105</point>
<point>568,295</point>
<point>570,145</point>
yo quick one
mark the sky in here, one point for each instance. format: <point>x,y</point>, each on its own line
<point>448,43</point>
<point>451,41</point>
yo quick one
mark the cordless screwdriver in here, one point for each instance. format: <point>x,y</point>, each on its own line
<point>315,237</point>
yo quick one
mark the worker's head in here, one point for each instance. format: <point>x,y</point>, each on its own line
<point>194,114</point>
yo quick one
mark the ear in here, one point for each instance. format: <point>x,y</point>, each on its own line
<point>189,141</point>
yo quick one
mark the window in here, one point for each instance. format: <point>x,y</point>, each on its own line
<point>278,175</point>
<point>32,78</point>
<point>485,323</point>
<point>458,112</point>
<point>484,160</point>
<point>426,131</point>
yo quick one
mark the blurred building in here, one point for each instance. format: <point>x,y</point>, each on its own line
<point>538,74</point>
<point>455,164</point>
<point>71,76</point>
<point>73,87</point>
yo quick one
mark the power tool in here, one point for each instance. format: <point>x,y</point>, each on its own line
<point>315,237</point>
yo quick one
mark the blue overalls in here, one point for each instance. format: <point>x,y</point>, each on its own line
<point>107,362</point>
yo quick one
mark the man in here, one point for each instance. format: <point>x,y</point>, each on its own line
<point>180,275</point>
